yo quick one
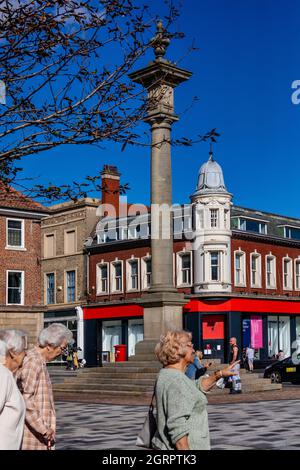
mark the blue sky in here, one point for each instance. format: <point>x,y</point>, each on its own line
<point>247,59</point>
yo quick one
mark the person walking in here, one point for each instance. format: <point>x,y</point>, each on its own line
<point>35,385</point>
<point>12,407</point>
<point>234,363</point>
<point>250,358</point>
<point>182,421</point>
<point>75,358</point>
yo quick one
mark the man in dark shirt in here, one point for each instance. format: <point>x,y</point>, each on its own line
<point>233,357</point>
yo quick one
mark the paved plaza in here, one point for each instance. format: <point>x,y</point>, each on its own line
<point>260,425</point>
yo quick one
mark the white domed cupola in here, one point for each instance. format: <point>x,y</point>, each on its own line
<point>210,178</point>
<point>211,221</point>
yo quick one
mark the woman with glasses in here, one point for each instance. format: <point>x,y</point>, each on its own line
<point>35,385</point>
<point>182,421</point>
<point>12,406</point>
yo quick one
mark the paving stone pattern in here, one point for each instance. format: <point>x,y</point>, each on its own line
<point>240,426</point>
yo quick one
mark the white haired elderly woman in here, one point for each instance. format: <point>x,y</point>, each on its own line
<point>182,421</point>
<point>35,385</point>
<point>12,406</point>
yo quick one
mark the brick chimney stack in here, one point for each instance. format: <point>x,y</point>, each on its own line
<point>111,188</point>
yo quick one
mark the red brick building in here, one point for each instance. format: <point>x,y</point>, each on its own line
<point>20,252</point>
<point>239,269</point>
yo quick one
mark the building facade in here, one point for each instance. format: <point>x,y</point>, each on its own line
<point>21,304</point>
<point>64,263</point>
<point>238,268</point>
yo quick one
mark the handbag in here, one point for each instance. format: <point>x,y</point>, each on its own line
<point>144,438</point>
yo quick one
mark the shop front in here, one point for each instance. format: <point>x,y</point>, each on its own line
<point>268,326</point>
<point>109,326</point>
<point>72,319</point>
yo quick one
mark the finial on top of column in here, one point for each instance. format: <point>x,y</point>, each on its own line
<point>211,154</point>
<point>160,42</point>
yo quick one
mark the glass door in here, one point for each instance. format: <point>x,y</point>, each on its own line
<point>135,334</point>
<point>272,336</point>
<point>284,335</point>
<point>279,336</point>
<point>111,336</point>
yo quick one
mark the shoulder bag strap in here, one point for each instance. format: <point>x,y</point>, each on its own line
<point>154,390</point>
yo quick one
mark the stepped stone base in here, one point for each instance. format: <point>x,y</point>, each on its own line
<point>144,351</point>
<point>136,379</point>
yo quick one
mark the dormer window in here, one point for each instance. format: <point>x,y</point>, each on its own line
<point>292,232</point>
<point>252,225</point>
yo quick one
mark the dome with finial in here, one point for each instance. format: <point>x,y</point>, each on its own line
<point>210,178</point>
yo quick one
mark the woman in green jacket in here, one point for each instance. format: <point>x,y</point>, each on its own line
<point>182,421</point>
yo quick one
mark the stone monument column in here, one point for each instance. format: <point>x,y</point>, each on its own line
<point>162,303</point>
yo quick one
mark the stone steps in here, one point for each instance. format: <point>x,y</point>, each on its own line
<point>125,377</point>
<point>149,380</point>
<point>137,378</point>
<point>59,375</point>
<point>112,377</point>
<point>116,386</point>
<point>75,395</point>
<point>142,363</point>
<point>128,370</point>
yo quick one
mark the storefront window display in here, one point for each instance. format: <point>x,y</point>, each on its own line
<point>279,336</point>
<point>135,334</point>
<point>111,336</point>
<point>253,334</point>
<point>71,324</point>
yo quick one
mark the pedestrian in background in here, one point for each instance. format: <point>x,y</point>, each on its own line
<point>182,421</point>
<point>196,369</point>
<point>234,359</point>
<point>12,407</point>
<point>75,357</point>
<point>250,358</point>
<point>35,385</point>
<point>280,355</point>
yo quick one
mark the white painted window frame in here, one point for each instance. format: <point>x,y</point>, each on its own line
<point>242,256</point>
<point>179,256</point>
<point>220,277</point>
<point>289,274</point>
<point>23,285</point>
<point>129,287</point>
<point>214,221</point>
<point>144,260</point>
<point>257,256</point>
<point>16,247</point>
<point>297,263</point>
<point>99,290</point>
<point>273,271</point>
<point>113,278</point>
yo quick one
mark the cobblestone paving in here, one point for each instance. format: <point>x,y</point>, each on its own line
<point>260,425</point>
